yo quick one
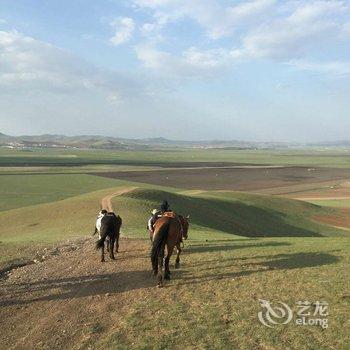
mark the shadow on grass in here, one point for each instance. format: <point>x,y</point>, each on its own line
<point>207,248</point>
<point>78,287</point>
<point>298,260</point>
<point>275,262</point>
<point>239,217</point>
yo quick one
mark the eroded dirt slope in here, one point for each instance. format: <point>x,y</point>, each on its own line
<point>71,299</point>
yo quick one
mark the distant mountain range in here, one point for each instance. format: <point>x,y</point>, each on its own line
<point>117,143</point>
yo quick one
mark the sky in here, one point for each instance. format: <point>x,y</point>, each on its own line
<point>255,70</point>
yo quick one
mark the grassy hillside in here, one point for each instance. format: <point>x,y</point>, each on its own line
<point>233,213</point>
<point>226,213</point>
<point>213,215</point>
<point>25,190</point>
<point>25,230</point>
<point>213,300</point>
<point>338,203</point>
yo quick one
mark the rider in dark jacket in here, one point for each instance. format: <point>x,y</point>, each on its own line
<point>164,206</point>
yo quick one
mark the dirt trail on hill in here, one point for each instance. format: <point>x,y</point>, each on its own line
<point>106,202</point>
<point>71,300</point>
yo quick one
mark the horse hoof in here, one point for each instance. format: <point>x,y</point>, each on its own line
<point>177,265</point>
<point>167,277</point>
<point>103,260</point>
<point>159,285</point>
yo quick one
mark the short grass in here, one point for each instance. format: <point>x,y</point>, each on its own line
<point>237,213</point>
<point>74,169</point>
<point>76,157</point>
<point>26,230</point>
<point>213,215</point>
<point>23,190</point>
<point>337,203</point>
<point>212,302</point>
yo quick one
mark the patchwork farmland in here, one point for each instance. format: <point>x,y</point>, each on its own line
<point>276,229</point>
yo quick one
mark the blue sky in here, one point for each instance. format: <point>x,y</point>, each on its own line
<point>209,69</point>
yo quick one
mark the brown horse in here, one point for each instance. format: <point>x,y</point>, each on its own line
<point>169,230</point>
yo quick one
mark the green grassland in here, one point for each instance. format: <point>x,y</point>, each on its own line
<point>242,247</point>
<point>213,301</point>
<point>24,190</point>
<point>337,203</point>
<point>74,169</point>
<point>232,215</point>
<point>76,157</point>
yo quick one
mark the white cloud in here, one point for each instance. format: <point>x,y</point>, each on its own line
<point>217,19</point>
<point>257,29</point>
<point>308,27</point>
<point>28,64</point>
<point>334,68</point>
<point>152,31</point>
<point>192,63</point>
<point>208,59</point>
<point>163,63</point>
<point>124,28</point>
<point>346,30</point>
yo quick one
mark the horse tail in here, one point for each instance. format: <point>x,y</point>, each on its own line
<point>103,234</point>
<point>159,240</point>
<point>100,243</point>
<point>119,222</point>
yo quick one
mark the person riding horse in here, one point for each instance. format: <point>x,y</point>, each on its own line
<point>169,231</point>
<point>156,214</point>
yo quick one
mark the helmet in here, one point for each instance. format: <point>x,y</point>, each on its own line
<point>164,205</point>
<point>154,211</point>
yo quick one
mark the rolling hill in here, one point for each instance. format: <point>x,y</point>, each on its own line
<point>213,214</point>
<point>212,300</point>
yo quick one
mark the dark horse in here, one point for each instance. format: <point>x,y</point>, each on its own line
<point>110,227</point>
<point>169,230</point>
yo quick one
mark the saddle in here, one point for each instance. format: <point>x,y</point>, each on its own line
<point>173,215</point>
<point>169,214</point>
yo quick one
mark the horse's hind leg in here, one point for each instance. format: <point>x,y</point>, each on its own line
<point>111,248</point>
<point>103,253</point>
<point>166,263</point>
<point>117,244</point>
<point>177,262</point>
<point>160,268</point>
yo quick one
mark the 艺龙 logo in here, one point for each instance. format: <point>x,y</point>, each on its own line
<point>307,313</point>
<point>273,315</point>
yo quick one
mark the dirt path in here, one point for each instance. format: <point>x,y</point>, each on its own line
<point>106,202</point>
<point>71,300</point>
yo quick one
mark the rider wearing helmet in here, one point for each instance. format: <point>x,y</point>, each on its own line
<point>156,214</point>
<point>164,206</point>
